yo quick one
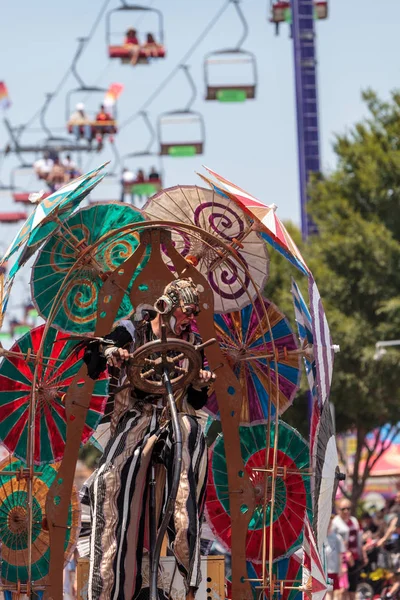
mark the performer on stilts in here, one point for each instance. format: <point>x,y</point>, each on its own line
<point>141,432</point>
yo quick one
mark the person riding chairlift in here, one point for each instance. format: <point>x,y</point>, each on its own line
<point>140,176</point>
<point>57,176</point>
<point>150,47</point>
<point>154,175</point>
<point>79,123</point>
<point>132,41</point>
<point>43,166</point>
<point>101,117</point>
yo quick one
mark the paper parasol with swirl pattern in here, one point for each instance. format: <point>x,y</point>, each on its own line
<point>246,341</point>
<point>292,492</point>
<point>56,370</point>
<point>81,237</point>
<point>223,218</point>
<point>14,515</point>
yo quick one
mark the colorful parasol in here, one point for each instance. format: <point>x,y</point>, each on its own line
<point>272,230</point>
<point>304,328</point>
<point>47,214</point>
<point>287,572</point>
<point>57,369</point>
<point>292,497</point>
<point>222,217</point>
<point>245,339</point>
<point>80,246</point>
<point>315,585</point>
<point>324,350</point>
<point>14,501</point>
<point>326,475</point>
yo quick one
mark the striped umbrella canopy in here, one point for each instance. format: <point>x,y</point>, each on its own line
<point>56,370</point>
<point>292,492</point>
<point>271,228</point>
<point>266,377</point>
<point>79,260</point>
<point>47,215</point>
<point>14,515</point>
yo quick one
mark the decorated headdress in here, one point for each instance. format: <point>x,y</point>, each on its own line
<point>180,292</point>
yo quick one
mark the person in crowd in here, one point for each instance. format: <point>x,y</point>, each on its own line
<point>79,123</point>
<point>369,527</point>
<point>335,549</point>
<point>43,166</point>
<point>349,529</point>
<point>131,40</point>
<point>154,175</point>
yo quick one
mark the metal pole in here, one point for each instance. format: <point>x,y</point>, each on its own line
<point>172,492</point>
<point>306,101</point>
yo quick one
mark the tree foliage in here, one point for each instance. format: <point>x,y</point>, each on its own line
<point>355,260</point>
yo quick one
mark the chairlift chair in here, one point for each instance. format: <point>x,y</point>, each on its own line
<point>149,186</point>
<point>95,125</point>
<point>235,92</point>
<point>321,10</point>
<point>178,147</point>
<point>12,217</point>
<point>19,192</point>
<point>123,51</point>
<point>281,11</point>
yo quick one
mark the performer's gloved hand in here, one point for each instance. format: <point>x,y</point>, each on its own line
<point>116,356</point>
<point>203,380</point>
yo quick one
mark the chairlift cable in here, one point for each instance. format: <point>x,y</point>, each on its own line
<point>177,67</point>
<point>68,71</point>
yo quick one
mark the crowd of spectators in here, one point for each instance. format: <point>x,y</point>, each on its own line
<point>363,555</point>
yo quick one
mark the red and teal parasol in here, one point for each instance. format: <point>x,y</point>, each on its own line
<point>56,370</point>
<point>245,339</point>
<point>292,497</point>
<point>14,517</point>
<point>78,262</point>
<point>287,573</point>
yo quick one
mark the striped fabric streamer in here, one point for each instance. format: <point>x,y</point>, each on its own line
<point>323,347</point>
<point>304,327</point>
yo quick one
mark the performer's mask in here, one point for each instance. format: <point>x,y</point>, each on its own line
<point>180,293</point>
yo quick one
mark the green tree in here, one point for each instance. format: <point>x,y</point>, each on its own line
<point>356,262</point>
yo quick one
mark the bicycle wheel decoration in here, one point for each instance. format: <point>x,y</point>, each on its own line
<point>14,499</point>
<point>56,371</point>
<point>292,496</point>
<point>245,339</point>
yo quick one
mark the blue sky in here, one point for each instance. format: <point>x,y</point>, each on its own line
<point>254,143</point>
